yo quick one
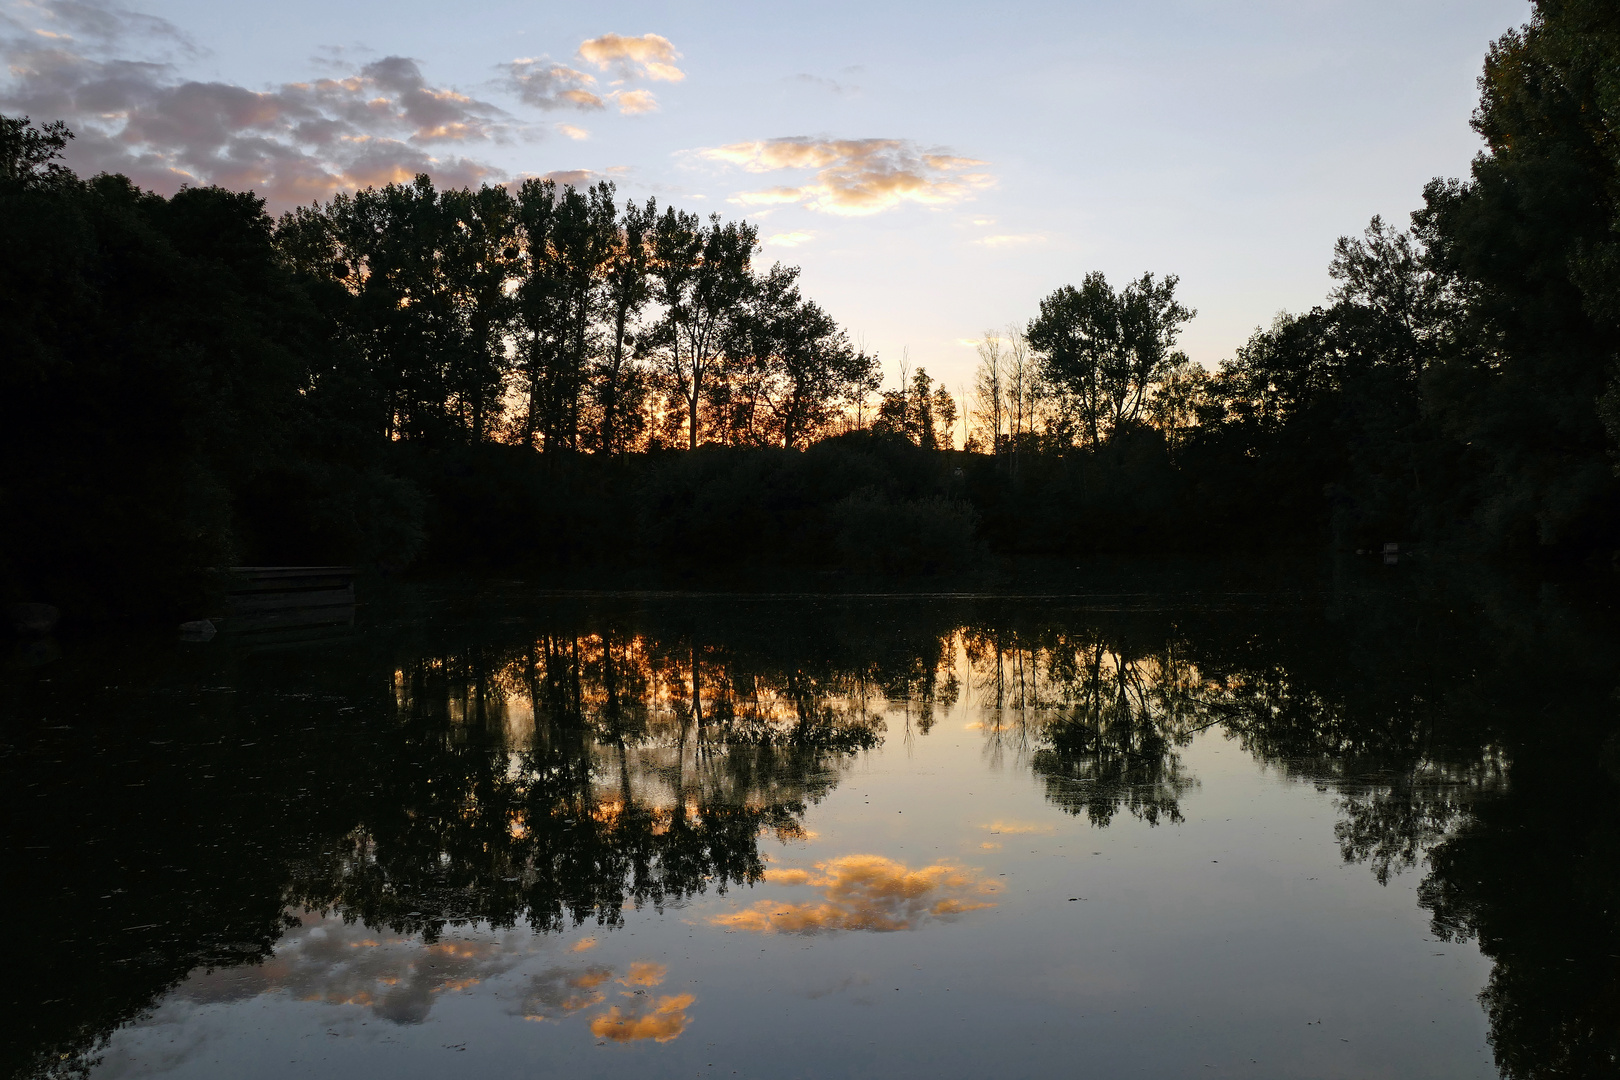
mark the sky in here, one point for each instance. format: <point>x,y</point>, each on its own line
<point>934,169</point>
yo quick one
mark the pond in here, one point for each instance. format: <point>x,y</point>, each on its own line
<point>1359,826</point>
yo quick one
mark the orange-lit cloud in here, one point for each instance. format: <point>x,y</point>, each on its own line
<point>660,1021</point>
<point>573,132</point>
<point>853,176</point>
<point>649,56</point>
<point>634,102</point>
<point>583,944</point>
<point>866,892</point>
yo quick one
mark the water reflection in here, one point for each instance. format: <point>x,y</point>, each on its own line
<point>407,814</point>
<point>865,892</point>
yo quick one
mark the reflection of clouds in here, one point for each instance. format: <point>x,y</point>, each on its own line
<point>1021,828</point>
<point>866,892</point>
<point>560,992</point>
<point>396,978</point>
<point>660,1020</point>
<point>645,974</point>
<point>854,176</point>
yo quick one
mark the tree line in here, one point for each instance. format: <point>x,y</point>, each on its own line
<point>502,377</point>
<point>1460,385</point>
<point>556,319</point>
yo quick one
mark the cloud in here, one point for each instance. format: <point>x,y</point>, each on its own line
<point>108,72</point>
<point>649,56</point>
<point>547,85</point>
<point>634,102</point>
<point>576,133</point>
<point>853,176</point>
<point>865,892</point>
<point>789,239</point>
<point>576,178</point>
<point>1011,240</point>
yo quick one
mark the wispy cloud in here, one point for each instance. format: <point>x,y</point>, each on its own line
<point>788,239</point>
<point>577,133</point>
<point>832,85</point>
<point>110,73</point>
<point>853,176</point>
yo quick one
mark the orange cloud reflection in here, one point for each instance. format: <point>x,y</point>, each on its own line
<point>663,1021</point>
<point>866,892</point>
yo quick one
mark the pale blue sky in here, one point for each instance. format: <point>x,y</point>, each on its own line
<point>1229,143</point>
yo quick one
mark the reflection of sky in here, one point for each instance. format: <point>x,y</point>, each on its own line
<point>394,978</point>
<point>864,892</point>
<point>354,976</point>
<point>1142,951</point>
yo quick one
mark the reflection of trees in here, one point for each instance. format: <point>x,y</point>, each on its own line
<point>1100,725</point>
<point>551,771</point>
<point>168,809</point>
<point>561,781</point>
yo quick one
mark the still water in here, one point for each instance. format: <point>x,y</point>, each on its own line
<point>1363,827</point>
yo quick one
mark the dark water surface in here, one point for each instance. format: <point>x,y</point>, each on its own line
<point>1363,827</point>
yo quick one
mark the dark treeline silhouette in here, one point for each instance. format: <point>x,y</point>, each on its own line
<point>537,377</point>
<point>1454,387</point>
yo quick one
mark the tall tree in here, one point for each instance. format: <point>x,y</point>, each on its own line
<point>1104,350</point>
<point>701,275</point>
<point>803,365</point>
<point>627,288</point>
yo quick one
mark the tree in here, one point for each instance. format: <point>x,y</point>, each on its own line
<point>701,277</point>
<point>627,288</point>
<point>569,239</point>
<point>918,411</point>
<point>1103,351</point>
<point>28,154</point>
<point>804,369</point>
<point>989,395</point>
<point>1075,333</point>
